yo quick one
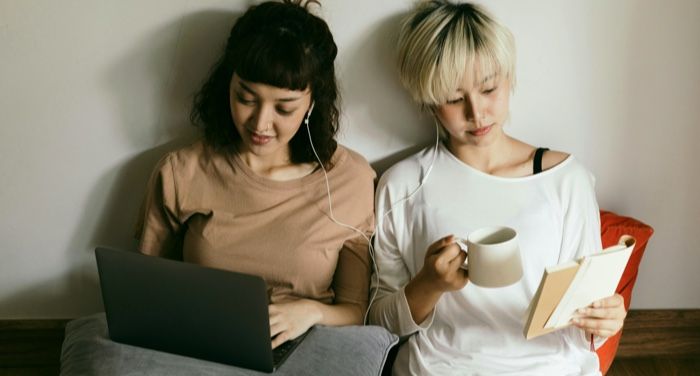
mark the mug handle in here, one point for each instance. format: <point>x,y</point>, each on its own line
<point>463,246</point>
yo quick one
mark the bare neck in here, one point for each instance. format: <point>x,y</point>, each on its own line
<point>276,167</point>
<point>505,156</point>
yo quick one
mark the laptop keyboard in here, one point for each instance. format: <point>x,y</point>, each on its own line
<point>281,351</point>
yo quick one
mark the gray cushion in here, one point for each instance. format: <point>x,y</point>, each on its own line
<point>337,351</point>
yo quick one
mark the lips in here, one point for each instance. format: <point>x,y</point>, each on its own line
<point>480,131</point>
<point>258,139</point>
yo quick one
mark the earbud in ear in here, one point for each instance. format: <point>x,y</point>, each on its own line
<point>308,114</point>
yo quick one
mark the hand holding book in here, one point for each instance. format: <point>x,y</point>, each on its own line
<point>567,287</point>
<point>602,318</point>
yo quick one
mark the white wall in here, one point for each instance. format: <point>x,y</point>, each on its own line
<point>93,92</point>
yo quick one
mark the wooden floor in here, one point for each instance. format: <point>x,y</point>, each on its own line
<point>649,366</point>
<point>659,342</point>
<point>655,366</point>
<point>620,367</point>
<point>653,343</point>
<point>29,371</point>
<point>48,352</point>
<point>30,347</point>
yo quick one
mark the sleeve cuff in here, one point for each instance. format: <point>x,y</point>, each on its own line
<point>407,322</point>
<point>592,342</point>
<point>598,341</point>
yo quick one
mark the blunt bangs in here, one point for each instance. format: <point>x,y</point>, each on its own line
<point>280,44</point>
<point>279,61</point>
<point>442,44</point>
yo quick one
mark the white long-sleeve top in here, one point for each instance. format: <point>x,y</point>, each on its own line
<point>479,331</point>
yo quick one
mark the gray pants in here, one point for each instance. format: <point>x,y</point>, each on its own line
<point>336,351</point>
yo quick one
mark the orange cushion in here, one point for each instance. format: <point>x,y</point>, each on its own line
<point>613,226</point>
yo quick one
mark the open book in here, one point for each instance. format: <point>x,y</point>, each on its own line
<point>566,287</point>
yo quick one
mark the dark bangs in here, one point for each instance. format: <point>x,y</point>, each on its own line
<point>282,45</point>
<point>276,60</point>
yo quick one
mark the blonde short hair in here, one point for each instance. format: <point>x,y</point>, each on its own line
<point>440,42</point>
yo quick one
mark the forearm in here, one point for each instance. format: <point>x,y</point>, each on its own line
<point>421,299</point>
<point>391,310</point>
<point>336,314</point>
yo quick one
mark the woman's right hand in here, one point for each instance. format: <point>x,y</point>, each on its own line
<point>441,272</point>
<point>442,266</point>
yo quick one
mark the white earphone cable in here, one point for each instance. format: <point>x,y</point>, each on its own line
<point>374,232</point>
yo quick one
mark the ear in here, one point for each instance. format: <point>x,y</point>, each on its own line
<point>430,108</point>
<point>308,113</point>
<point>433,111</point>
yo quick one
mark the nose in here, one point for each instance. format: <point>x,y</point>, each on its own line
<point>262,119</point>
<point>473,109</point>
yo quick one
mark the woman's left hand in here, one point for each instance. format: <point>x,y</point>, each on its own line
<point>290,320</point>
<point>603,317</point>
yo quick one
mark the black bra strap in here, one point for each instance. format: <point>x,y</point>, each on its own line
<point>537,161</point>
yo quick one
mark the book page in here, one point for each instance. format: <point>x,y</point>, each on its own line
<point>552,287</point>
<point>596,279</point>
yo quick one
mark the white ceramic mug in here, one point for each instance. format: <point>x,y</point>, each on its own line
<point>493,257</point>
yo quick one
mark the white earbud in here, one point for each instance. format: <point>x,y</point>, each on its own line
<point>308,114</point>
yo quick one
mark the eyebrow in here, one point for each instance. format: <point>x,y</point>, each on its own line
<point>487,78</point>
<point>483,81</point>
<point>251,91</point>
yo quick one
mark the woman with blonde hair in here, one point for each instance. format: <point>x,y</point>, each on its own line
<point>458,62</point>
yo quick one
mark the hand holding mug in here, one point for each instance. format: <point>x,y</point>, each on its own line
<point>442,267</point>
<point>493,257</point>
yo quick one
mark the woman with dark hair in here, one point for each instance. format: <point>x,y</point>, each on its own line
<point>280,45</point>
<point>268,191</point>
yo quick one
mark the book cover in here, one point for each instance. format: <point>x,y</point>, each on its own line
<point>552,287</point>
<point>566,287</point>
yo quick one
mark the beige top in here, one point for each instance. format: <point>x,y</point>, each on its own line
<point>211,209</point>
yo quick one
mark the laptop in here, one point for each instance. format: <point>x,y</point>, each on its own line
<point>187,309</point>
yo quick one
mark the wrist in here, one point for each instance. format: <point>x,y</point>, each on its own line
<point>314,311</point>
<point>419,291</point>
<point>423,285</point>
